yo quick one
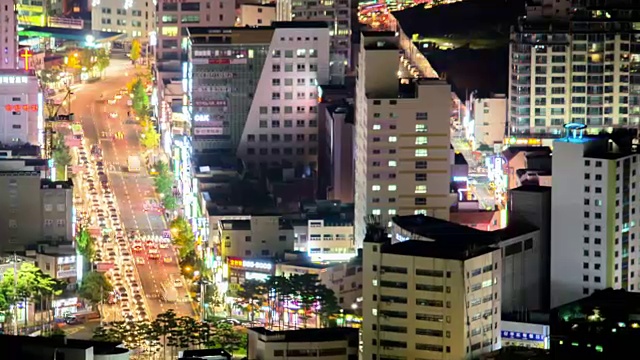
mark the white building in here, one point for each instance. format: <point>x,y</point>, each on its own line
<point>402,157</point>
<point>21,116</point>
<point>594,224</point>
<point>438,297</point>
<point>135,18</point>
<point>260,236</point>
<point>337,13</point>
<point>175,17</point>
<point>489,117</point>
<point>574,68</point>
<point>321,344</point>
<point>9,38</point>
<point>254,92</point>
<point>256,15</point>
<point>328,238</point>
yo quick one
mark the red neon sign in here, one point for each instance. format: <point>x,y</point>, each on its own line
<point>18,107</point>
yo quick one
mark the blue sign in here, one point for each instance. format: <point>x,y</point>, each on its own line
<point>166,234</point>
<point>522,336</point>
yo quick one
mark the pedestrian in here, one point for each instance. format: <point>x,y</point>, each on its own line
<point>128,113</point>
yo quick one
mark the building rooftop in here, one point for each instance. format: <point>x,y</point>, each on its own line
<point>512,151</point>
<point>532,188</point>
<point>200,30</point>
<point>235,224</point>
<point>48,184</point>
<point>307,264</point>
<point>306,335</point>
<point>514,229</point>
<point>20,346</point>
<point>454,250</point>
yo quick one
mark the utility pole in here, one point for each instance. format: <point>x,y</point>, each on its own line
<point>101,305</point>
<point>15,293</point>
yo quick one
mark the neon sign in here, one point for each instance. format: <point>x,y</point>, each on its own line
<point>249,264</point>
<point>26,54</point>
<point>19,107</point>
<point>201,117</point>
<point>14,79</point>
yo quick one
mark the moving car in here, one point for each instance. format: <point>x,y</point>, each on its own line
<point>140,261</point>
<point>137,248</point>
<point>153,254</point>
<point>113,115</point>
<point>167,260</point>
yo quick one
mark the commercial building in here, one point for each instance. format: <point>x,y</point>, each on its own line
<point>253,92</point>
<point>136,19</point>
<point>41,347</point>
<point>402,157</point>
<point>175,17</point>
<point>529,335</point>
<point>593,204</point>
<point>257,237</point>
<point>323,344</point>
<point>21,116</point>
<point>243,269</point>
<point>256,15</point>
<point>527,165</point>
<point>338,15</point>
<point>576,66</point>
<point>9,42</point>
<point>34,210</point>
<point>326,238</point>
<point>435,295</point>
<point>489,121</point>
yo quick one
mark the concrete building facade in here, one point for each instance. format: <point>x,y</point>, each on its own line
<point>328,238</point>
<point>489,120</point>
<point>256,15</point>
<point>134,18</point>
<point>9,38</point>
<point>402,141</point>
<point>260,236</point>
<point>21,116</point>
<point>254,92</point>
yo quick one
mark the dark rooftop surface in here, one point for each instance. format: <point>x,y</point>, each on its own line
<point>454,250</point>
<point>621,301</point>
<point>22,346</point>
<point>308,335</point>
<point>533,188</point>
<point>515,229</point>
<point>235,224</point>
<point>512,151</point>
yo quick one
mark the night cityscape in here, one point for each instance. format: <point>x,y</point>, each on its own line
<point>326,179</point>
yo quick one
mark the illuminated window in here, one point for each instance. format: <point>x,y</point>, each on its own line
<point>392,163</point>
<point>375,211</point>
<point>421,128</point>
<point>421,189</point>
<point>375,188</point>
<point>392,187</point>
<point>169,31</point>
<point>393,139</point>
<point>420,212</point>
<point>421,152</point>
<point>421,140</point>
<point>376,127</point>
<point>301,53</point>
<point>392,211</point>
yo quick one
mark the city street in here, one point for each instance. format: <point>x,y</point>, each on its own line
<point>131,190</point>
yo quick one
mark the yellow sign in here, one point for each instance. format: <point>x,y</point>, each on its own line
<point>30,8</point>
<point>523,142</point>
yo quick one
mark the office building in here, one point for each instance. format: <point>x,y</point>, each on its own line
<point>257,237</point>
<point>21,116</point>
<point>321,344</point>
<point>402,141</point>
<point>576,66</point>
<point>135,18</point>
<point>338,15</point>
<point>594,232</point>
<point>34,210</point>
<point>256,15</point>
<point>175,17</point>
<point>489,118</point>
<point>9,38</point>
<point>326,238</point>
<point>254,92</point>
<point>430,294</point>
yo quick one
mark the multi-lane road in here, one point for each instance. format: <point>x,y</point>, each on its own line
<point>131,190</point>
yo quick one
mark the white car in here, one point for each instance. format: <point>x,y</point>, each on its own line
<point>140,261</point>
<point>112,101</point>
<point>177,282</point>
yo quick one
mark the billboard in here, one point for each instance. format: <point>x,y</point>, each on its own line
<point>211,103</point>
<point>208,131</point>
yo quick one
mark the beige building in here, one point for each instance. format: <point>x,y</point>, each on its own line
<point>256,15</point>
<point>435,295</point>
<point>323,344</point>
<point>489,117</point>
<point>33,210</point>
<point>402,141</point>
<point>328,238</point>
<point>259,236</point>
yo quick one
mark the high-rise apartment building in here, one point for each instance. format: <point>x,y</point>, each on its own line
<point>135,18</point>
<point>337,13</point>
<point>577,66</point>
<point>402,157</point>
<point>254,92</point>
<point>9,35</point>
<point>175,17</point>
<point>594,229</point>
<point>437,297</point>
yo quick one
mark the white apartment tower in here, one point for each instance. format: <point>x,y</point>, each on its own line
<point>174,17</point>
<point>135,18</point>
<point>254,92</point>
<point>594,226</point>
<point>430,299</point>
<point>337,13</point>
<point>402,138</point>
<point>8,35</point>
<point>577,66</point>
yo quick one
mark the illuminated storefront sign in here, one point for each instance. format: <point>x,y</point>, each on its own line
<point>201,117</point>
<point>214,75</point>
<point>236,263</point>
<point>67,260</point>
<point>213,89</point>
<point>18,107</point>
<point>522,335</point>
<point>523,142</point>
<point>208,131</point>
<point>210,102</point>
<point>14,79</point>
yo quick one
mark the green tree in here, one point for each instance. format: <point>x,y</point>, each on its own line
<point>228,338</point>
<point>182,236</point>
<point>327,307</point>
<point>306,288</point>
<point>87,58</point>
<point>72,61</point>
<point>281,288</point>
<point>85,244</point>
<point>163,325</point>
<point>149,138</point>
<point>61,156</point>
<point>136,50</point>
<point>252,293</point>
<point>170,202</point>
<point>103,60</point>
<point>48,77</point>
<point>163,181</point>
<point>140,98</point>
<point>31,285</point>
<point>95,287</point>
